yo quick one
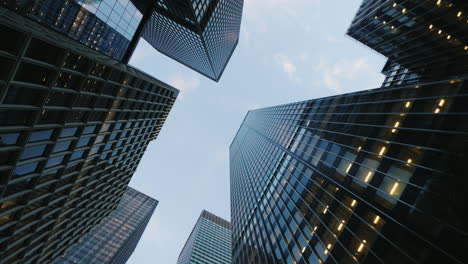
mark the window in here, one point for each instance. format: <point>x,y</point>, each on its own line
<point>8,139</point>
<point>33,151</point>
<point>61,146</point>
<point>41,135</point>
<point>77,155</point>
<point>83,142</point>
<point>68,132</point>
<point>89,130</point>
<point>26,168</point>
<point>54,161</point>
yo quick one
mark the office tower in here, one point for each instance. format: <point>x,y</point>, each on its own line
<point>375,176</point>
<point>111,27</point>
<point>74,125</point>
<point>428,37</point>
<point>209,242</point>
<point>201,34</point>
<point>115,238</point>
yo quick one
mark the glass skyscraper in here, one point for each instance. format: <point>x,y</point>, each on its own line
<point>114,239</point>
<point>428,37</point>
<point>74,124</point>
<point>375,176</point>
<point>108,26</point>
<point>201,34</point>
<point>209,242</point>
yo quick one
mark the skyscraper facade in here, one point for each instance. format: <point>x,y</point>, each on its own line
<point>108,26</point>
<point>428,37</point>
<point>201,34</point>
<point>115,238</point>
<point>209,242</point>
<point>74,124</point>
<point>369,177</point>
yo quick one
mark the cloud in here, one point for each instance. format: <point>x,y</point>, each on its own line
<point>288,66</point>
<point>333,74</point>
<point>185,83</point>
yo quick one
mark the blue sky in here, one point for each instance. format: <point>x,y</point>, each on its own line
<point>289,50</point>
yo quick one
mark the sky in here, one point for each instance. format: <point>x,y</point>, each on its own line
<point>289,50</point>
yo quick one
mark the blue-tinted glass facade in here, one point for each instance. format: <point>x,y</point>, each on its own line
<point>201,34</point>
<point>366,177</point>
<point>209,242</point>
<point>74,125</point>
<point>114,239</point>
<point>107,26</point>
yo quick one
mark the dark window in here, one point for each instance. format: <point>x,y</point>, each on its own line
<point>43,51</point>
<point>68,132</point>
<point>54,161</point>
<point>61,146</point>
<point>26,168</point>
<point>33,151</point>
<point>24,96</point>
<point>8,138</point>
<point>40,135</point>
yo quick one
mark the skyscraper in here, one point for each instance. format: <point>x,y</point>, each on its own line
<point>115,238</point>
<point>428,37</point>
<point>369,177</point>
<point>111,27</point>
<point>201,34</point>
<point>209,242</point>
<point>74,124</point>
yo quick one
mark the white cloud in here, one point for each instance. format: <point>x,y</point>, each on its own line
<point>288,66</point>
<point>333,74</point>
<point>185,83</point>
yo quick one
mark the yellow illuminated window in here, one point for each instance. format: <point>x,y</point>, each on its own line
<point>361,247</point>
<point>440,31</point>
<point>368,176</point>
<point>303,249</point>
<point>409,161</point>
<point>359,148</point>
<point>394,188</point>
<point>325,209</point>
<point>382,151</point>
<point>449,37</point>
<point>431,26</point>
<point>376,219</point>
<point>459,14</point>
<point>349,167</point>
<point>353,203</point>
<point>340,226</point>
<point>408,104</point>
<point>385,22</point>
<point>466,47</point>
<point>441,102</point>
<point>437,110</point>
<point>397,124</point>
<point>403,11</point>
<point>376,17</point>
<point>439,2</point>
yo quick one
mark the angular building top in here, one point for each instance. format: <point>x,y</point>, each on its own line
<point>114,239</point>
<point>201,34</point>
<point>108,26</point>
<point>74,124</point>
<point>427,37</point>
<point>209,242</point>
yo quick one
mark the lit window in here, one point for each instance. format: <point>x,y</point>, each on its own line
<point>439,2</point>
<point>376,219</point>
<point>408,104</point>
<point>349,167</point>
<point>361,246</point>
<point>359,148</point>
<point>403,11</point>
<point>431,26</point>
<point>441,102</point>
<point>459,14</point>
<point>382,151</point>
<point>437,110</point>
<point>440,31</point>
<point>449,37</point>
<point>340,226</point>
<point>325,209</point>
<point>394,4</point>
<point>394,188</point>
<point>368,176</point>
<point>328,247</point>
<point>353,203</point>
<point>409,161</point>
